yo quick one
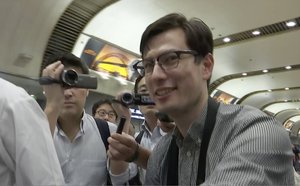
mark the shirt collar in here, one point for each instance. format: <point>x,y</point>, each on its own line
<point>82,126</point>
<point>156,129</point>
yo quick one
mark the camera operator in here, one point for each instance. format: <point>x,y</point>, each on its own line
<point>79,146</point>
<point>125,147</point>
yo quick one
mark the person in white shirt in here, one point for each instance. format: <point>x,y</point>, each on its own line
<point>27,152</point>
<point>80,148</point>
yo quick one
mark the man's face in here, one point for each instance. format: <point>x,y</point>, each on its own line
<point>176,90</point>
<point>74,98</point>
<point>106,112</point>
<point>142,89</point>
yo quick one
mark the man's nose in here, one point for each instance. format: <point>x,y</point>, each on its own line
<point>158,70</point>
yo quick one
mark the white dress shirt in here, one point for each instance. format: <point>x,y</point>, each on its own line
<point>27,153</point>
<point>83,161</point>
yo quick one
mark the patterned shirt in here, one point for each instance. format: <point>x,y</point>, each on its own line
<point>247,147</point>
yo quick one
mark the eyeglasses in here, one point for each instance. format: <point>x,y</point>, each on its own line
<point>103,113</point>
<point>166,61</point>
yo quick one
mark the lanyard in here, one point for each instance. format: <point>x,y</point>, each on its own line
<point>172,154</point>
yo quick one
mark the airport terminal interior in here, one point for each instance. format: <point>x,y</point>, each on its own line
<point>257,58</point>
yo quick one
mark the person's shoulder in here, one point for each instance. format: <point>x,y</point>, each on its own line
<point>10,90</point>
<point>243,113</point>
<point>239,117</point>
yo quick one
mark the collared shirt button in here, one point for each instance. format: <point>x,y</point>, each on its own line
<point>188,154</point>
<point>199,140</point>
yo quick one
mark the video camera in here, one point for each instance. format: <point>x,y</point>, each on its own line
<point>70,78</point>
<point>136,99</point>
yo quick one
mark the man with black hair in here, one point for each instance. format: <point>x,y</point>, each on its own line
<point>104,110</point>
<point>213,143</point>
<point>80,148</point>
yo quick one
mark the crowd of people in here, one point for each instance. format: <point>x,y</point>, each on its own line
<point>206,142</point>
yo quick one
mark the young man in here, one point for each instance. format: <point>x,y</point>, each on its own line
<point>103,110</point>
<point>78,143</point>
<point>246,146</point>
<point>27,153</point>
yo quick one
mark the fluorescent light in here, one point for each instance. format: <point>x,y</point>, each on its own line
<point>287,88</point>
<point>256,32</point>
<point>288,67</point>
<point>265,71</point>
<point>226,39</point>
<point>291,23</point>
<point>269,90</point>
<point>244,74</point>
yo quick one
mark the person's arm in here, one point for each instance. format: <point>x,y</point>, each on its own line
<point>54,94</point>
<point>29,143</point>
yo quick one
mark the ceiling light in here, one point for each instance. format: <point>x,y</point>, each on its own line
<point>287,88</point>
<point>269,90</point>
<point>244,74</point>
<point>285,100</point>
<point>256,32</point>
<point>226,39</point>
<point>291,23</point>
<point>288,67</point>
<point>265,71</point>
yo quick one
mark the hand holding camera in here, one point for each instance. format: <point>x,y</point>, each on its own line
<point>70,78</point>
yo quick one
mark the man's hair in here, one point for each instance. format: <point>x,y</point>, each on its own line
<point>68,60</point>
<point>198,35</point>
<point>99,103</point>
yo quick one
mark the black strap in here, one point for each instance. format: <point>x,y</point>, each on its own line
<point>104,133</point>
<point>103,130</point>
<point>207,130</point>
<point>139,137</point>
<point>172,164</point>
<point>172,154</point>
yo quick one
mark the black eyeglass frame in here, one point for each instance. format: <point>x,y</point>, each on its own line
<point>110,114</point>
<point>141,70</point>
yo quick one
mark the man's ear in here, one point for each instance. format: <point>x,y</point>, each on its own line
<point>208,65</point>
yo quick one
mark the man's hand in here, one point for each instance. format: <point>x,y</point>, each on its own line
<point>54,93</point>
<point>121,147</point>
<point>125,148</point>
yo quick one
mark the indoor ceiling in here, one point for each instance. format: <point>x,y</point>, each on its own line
<point>28,26</point>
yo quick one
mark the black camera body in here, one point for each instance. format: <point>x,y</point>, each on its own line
<point>136,99</point>
<point>70,78</point>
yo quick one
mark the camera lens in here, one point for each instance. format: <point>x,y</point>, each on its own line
<point>69,77</point>
<point>127,98</point>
